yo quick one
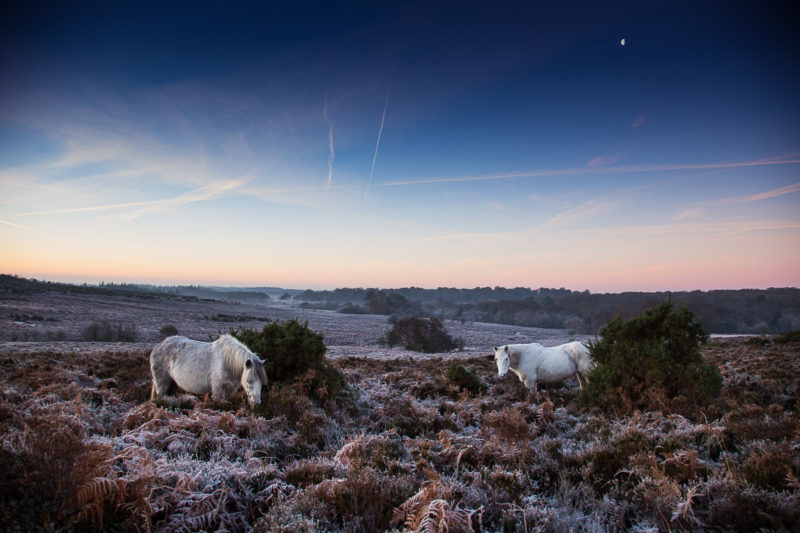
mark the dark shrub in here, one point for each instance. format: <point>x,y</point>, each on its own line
<point>464,378</point>
<point>757,341</point>
<point>792,336</point>
<point>107,332</point>
<point>421,335</point>
<point>383,303</point>
<point>352,309</point>
<point>292,352</point>
<point>652,362</point>
<point>169,330</point>
<point>289,349</point>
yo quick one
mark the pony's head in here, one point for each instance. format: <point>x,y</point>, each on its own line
<point>501,358</point>
<point>253,377</point>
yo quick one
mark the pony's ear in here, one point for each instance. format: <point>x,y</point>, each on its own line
<point>495,348</point>
<point>505,348</point>
<point>248,363</point>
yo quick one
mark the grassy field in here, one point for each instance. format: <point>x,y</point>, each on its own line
<point>82,448</point>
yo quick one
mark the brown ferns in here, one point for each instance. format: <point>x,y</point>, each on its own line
<point>428,511</point>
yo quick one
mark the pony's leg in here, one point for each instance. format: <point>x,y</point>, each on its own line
<point>219,391</point>
<point>531,384</point>
<point>581,380</point>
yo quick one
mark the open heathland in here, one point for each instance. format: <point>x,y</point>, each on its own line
<point>416,442</point>
<point>405,449</point>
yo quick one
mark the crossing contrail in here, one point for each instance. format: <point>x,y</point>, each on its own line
<point>378,142</point>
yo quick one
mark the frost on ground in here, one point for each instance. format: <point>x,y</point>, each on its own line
<point>30,322</point>
<point>81,447</point>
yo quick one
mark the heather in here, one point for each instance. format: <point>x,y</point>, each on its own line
<point>414,447</point>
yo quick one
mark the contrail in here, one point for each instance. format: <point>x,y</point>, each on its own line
<point>378,142</point>
<point>592,170</point>
<point>26,228</point>
<point>331,153</point>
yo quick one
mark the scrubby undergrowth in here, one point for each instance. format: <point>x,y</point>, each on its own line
<point>81,448</point>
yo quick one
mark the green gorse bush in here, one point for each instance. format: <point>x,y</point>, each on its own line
<point>464,378</point>
<point>652,362</point>
<point>294,353</point>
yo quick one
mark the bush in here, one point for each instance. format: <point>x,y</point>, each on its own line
<point>652,362</point>
<point>421,335</point>
<point>352,309</point>
<point>791,336</point>
<point>169,330</point>
<point>293,352</point>
<point>757,341</point>
<point>106,332</point>
<point>464,378</point>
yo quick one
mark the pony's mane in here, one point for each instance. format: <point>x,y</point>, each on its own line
<point>237,353</point>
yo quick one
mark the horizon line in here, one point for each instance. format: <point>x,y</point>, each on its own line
<point>211,285</point>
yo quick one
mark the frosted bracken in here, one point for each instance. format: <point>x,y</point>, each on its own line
<point>405,451</point>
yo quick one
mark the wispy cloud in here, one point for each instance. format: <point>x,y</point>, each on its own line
<point>641,120</point>
<point>698,209</point>
<point>548,201</point>
<point>20,226</point>
<point>591,170</point>
<point>561,230</point>
<point>780,191</point>
<point>604,160</point>
<point>371,264</point>
<point>566,218</point>
<point>590,209</point>
<point>691,213</point>
<point>208,192</point>
<point>378,142</point>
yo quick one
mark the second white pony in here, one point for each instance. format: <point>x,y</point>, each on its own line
<point>533,363</point>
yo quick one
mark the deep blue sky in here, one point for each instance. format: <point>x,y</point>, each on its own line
<point>669,162</point>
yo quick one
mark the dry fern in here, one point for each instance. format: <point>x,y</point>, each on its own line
<point>429,511</point>
<point>792,481</point>
<point>93,497</point>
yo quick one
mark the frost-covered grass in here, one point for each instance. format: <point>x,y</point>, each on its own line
<point>82,448</point>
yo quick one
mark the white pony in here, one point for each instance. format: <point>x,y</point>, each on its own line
<point>533,363</point>
<point>218,367</point>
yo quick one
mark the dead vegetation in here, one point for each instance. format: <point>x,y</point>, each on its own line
<point>81,448</point>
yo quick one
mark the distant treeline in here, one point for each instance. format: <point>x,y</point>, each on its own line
<point>721,311</point>
<point>11,284</point>
<point>724,311</point>
<point>20,285</point>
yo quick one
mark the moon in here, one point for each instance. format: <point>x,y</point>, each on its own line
<point>622,42</point>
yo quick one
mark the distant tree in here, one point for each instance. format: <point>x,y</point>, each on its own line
<point>168,330</point>
<point>421,335</point>
<point>105,331</point>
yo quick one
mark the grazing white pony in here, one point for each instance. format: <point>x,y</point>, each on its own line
<point>218,367</point>
<point>533,363</point>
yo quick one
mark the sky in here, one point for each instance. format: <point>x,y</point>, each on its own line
<point>452,144</point>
